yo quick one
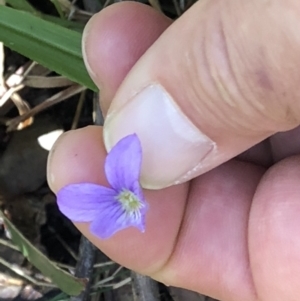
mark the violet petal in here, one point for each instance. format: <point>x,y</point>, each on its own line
<point>81,202</point>
<point>138,191</point>
<point>123,163</point>
<point>111,221</point>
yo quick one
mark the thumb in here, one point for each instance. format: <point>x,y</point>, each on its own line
<point>219,80</point>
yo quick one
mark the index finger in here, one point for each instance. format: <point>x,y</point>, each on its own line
<point>78,156</point>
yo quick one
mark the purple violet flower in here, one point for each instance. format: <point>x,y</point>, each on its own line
<point>110,209</point>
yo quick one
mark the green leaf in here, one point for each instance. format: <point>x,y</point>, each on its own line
<point>51,45</point>
<point>23,5</point>
<point>60,297</point>
<point>66,282</point>
<point>64,22</point>
<point>26,6</point>
<point>58,8</point>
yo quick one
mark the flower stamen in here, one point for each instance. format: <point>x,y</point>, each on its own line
<point>130,202</point>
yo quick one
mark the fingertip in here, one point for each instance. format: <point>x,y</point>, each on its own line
<point>114,39</point>
<point>77,156</point>
<point>273,232</point>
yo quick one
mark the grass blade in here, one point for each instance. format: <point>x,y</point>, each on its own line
<point>66,282</point>
<point>51,45</point>
<point>23,5</point>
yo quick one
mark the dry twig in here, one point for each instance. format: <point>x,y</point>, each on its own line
<point>78,110</point>
<point>55,99</point>
<point>84,268</point>
<point>10,87</point>
<point>2,86</point>
<point>87,251</point>
<point>63,243</point>
<point>45,82</point>
<point>144,288</point>
<point>17,270</point>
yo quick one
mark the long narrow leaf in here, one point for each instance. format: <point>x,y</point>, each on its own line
<point>23,5</point>
<point>66,282</point>
<point>26,6</point>
<point>51,45</point>
<point>64,22</point>
<point>58,8</point>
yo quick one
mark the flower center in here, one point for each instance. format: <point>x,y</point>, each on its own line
<point>130,202</point>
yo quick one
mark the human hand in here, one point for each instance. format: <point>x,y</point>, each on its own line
<point>232,67</point>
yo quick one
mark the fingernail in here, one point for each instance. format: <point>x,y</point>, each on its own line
<point>173,148</point>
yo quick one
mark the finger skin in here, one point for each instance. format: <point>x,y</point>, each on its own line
<point>274,242</point>
<point>118,36</point>
<point>228,67</point>
<point>78,157</point>
<point>174,249</point>
<point>114,39</point>
<point>218,69</point>
<point>211,254</point>
<point>207,236</point>
<point>204,242</point>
